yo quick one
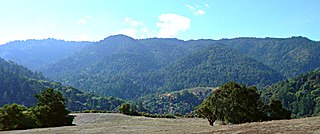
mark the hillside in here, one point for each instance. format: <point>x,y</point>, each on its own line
<point>301,95</point>
<point>214,65</point>
<point>38,54</point>
<point>19,85</point>
<point>117,123</point>
<point>177,102</point>
<point>128,68</point>
<point>289,56</point>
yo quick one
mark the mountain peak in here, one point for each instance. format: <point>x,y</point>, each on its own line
<point>119,37</point>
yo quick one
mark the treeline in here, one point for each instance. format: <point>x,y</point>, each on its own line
<point>234,103</point>
<point>128,110</point>
<point>49,111</point>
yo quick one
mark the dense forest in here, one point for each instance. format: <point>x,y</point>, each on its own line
<point>19,85</point>
<point>301,95</point>
<point>156,73</point>
<point>128,68</point>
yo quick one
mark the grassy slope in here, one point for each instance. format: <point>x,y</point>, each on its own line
<point>118,123</point>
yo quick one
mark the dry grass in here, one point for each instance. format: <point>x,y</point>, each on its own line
<point>295,126</point>
<point>118,123</point>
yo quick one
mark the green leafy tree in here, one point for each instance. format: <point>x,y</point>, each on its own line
<point>233,103</point>
<point>50,109</point>
<point>15,116</point>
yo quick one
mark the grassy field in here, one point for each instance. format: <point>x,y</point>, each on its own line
<point>118,123</point>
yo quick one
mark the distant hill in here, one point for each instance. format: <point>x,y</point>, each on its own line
<point>289,56</point>
<point>19,85</point>
<point>37,54</point>
<point>124,67</point>
<point>301,94</point>
<point>130,68</point>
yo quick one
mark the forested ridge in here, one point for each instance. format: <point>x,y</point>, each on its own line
<point>145,70</point>
<point>19,85</point>
<point>38,54</point>
<point>288,56</point>
<point>128,68</point>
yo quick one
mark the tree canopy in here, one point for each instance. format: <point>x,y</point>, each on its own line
<point>234,103</point>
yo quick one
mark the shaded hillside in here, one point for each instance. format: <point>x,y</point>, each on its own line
<point>128,68</point>
<point>19,85</point>
<point>37,54</point>
<point>301,95</point>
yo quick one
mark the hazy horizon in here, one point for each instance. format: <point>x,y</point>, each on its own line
<point>83,20</point>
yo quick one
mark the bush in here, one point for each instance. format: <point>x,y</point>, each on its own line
<point>50,111</point>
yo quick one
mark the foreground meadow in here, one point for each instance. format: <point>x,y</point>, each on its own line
<point>118,123</point>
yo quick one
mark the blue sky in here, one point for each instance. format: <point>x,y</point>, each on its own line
<point>94,20</point>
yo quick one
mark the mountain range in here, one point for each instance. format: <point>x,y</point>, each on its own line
<point>128,68</point>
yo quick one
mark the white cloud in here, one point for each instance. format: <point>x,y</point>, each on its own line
<point>190,7</point>
<point>199,12</point>
<point>171,24</point>
<point>136,29</point>
<point>84,20</point>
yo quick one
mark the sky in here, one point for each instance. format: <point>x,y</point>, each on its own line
<point>94,20</point>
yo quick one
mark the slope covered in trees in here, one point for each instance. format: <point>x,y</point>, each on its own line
<point>177,102</point>
<point>301,95</point>
<point>289,56</point>
<point>37,54</point>
<point>128,68</point>
<point>213,65</point>
<point>19,85</point>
